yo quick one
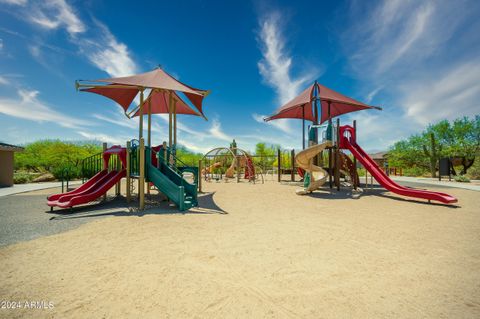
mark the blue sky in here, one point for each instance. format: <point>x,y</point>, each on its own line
<point>419,60</point>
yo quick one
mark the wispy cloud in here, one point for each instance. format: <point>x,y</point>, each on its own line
<point>281,124</point>
<point>107,53</point>
<point>419,57</point>
<point>28,106</point>
<point>94,40</point>
<point>216,131</point>
<point>3,80</point>
<point>53,14</point>
<point>95,136</point>
<point>447,95</point>
<point>15,2</point>
<point>276,64</point>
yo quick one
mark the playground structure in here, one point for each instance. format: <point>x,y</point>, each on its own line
<point>151,166</point>
<point>225,163</point>
<point>306,106</point>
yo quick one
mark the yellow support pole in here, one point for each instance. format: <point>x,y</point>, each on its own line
<point>175,123</point>
<point>128,173</point>
<point>105,166</point>
<point>149,132</point>
<point>140,129</point>
<point>150,122</point>
<point>141,179</point>
<point>199,176</point>
<point>170,119</point>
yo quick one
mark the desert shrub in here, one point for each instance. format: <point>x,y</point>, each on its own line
<point>22,178</point>
<point>461,179</point>
<point>415,171</point>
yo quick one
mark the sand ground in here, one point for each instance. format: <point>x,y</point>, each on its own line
<point>257,251</point>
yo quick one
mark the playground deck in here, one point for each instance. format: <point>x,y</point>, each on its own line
<point>255,251</point>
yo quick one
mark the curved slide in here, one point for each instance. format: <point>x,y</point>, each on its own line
<point>390,185</point>
<point>304,160</point>
<point>95,187</point>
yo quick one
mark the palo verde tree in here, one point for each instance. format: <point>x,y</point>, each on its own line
<point>458,140</point>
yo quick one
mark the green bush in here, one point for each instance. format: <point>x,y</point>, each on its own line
<point>22,178</point>
<point>461,179</point>
<point>415,171</point>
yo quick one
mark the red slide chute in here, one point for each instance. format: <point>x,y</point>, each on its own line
<point>348,141</point>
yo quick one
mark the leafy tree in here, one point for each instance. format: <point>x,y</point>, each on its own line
<point>460,138</point>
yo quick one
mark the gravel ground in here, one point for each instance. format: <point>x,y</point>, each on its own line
<point>26,216</point>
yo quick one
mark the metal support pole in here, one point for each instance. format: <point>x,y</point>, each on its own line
<point>140,128</point>
<point>170,120</point>
<point>303,127</point>
<point>329,149</point>
<point>355,182</point>
<point>292,174</point>
<point>199,176</point>
<point>175,124</point>
<point>150,122</point>
<point>141,179</point>
<point>129,181</point>
<point>105,166</point>
<point>238,168</point>
<point>279,166</point>
<point>119,184</point>
<point>337,156</point>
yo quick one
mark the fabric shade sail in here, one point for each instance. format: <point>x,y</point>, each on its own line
<point>123,96</point>
<point>300,107</point>
<point>159,79</point>
<point>159,104</point>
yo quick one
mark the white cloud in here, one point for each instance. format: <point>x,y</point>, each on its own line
<point>30,108</point>
<point>276,64</point>
<point>102,137</point>
<point>372,94</point>
<point>281,124</point>
<point>422,56</point>
<point>1,44</point>
<point>447,95</point>
<point>216,131</point>
<point>15,2</point>
<point>3,80</point>
<point>108,54</point>
<point>52,14</point>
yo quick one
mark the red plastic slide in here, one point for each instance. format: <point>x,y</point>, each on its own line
<point>386,182</point>
<point>91,190</point>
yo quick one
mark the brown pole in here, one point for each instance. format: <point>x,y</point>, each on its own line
<point>279,166</point>
<point>150,122</point>
<point>175,124</point>
<point>354,158</point>
<point>140,113</point>
<point>128,172</point>
<point>200,176</point>
<point>303,127</point>
<point>329,150</point>
<point>141,179</point>
<point>337,156</point>
<point>105,166</point>
<point>292,174</point>
<point>170,120</point>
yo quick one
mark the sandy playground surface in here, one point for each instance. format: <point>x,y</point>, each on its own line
<point>258,251</point>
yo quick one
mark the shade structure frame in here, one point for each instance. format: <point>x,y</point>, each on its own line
<point>339,103</point>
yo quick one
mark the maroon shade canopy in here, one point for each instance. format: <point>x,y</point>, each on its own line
<point>159,79</point>
<point>159,100</point>
<point>123,96</point>
<point>300,107</point>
